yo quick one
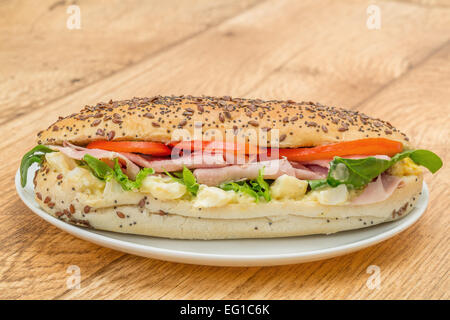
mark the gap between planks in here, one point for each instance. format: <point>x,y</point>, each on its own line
<point>383,87</point>
<point>157,52</point>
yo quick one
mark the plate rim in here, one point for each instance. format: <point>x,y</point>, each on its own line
<point>212,258</point>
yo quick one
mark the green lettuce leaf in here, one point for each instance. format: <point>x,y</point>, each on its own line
<point>261,186</point>
<point>98,168</point>
<point>356,173</point>
<point>187,178</point>
<point>424,158</point>
<point>255,188</point>
<point>125,182</point>
<point>190,181</point>
<point>35,155</point>
<point>240,186</point>
<point>102,171</point>
<point>317,184</point>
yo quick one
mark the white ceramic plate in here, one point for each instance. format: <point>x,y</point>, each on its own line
<point>246,252</point>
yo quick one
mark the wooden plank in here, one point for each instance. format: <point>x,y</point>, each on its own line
<point>413,102</point>
<point>346,63</point>
<point>279,49</point>
<point>419,103</point>
<point>160,280</point>
<point>42,59</point>
<point>307,280</point>
<point>34,255</point>
<point>428,3</point>
<point>235,57</point>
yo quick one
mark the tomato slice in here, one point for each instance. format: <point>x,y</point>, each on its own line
<point>370,146</point>
<point>215,146</point>
<point>189,145</point>
<point>151,148</point>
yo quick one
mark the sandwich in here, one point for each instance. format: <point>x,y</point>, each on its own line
<point>221,168</point>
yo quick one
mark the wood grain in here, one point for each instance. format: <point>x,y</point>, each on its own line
<point>308,50</point>
<point>44,60</point>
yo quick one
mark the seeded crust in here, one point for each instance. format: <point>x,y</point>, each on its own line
<point>301,124</point>
<point>145,215</point>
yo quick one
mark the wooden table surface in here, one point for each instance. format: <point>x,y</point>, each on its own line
<point>275,49</point>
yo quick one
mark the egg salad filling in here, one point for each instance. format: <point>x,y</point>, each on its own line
<point>182,186</point>
<point>109,181</point>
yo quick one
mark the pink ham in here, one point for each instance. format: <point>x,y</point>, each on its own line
<point>309,172</point>
<point>321,163</point>
<point>196,160</point>
<point>140,160</point>
<point>319,171</point>
<point>379,190</point>
<point>76,152</point>
<point>212,169</point>
<point>272,170</point>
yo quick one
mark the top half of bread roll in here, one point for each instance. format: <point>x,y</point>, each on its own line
<point>299,124</point>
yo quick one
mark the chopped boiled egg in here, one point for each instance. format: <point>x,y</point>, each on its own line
<point>59,162</point>
<point>163,188</point>
<point>288,187</point>
<point>213,197</point>
<point>405,167</point>
<point>333,196</point>
<point>84,181</point>
<point>114,194</point>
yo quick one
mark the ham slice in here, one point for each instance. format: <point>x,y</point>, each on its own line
<point>379,190</point>
<point>76,152</point>
<point>318,170</point>
<point>321,163</point>
<point>195,160</point>
<point>214,169</point>
<point>309,172</point>
<point>272,170</point>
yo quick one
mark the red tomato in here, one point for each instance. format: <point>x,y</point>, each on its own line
<point>370,146</point>
<point>214,146</point>
<point>151,148</point>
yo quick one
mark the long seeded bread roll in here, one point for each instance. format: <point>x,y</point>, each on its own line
<point>145,215</point>
<point>155,119</point>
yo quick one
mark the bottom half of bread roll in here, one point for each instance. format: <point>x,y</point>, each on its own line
<point>143,214</point>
